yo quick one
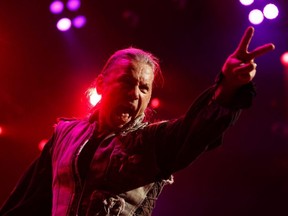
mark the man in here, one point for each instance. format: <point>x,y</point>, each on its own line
<point>115,162</point>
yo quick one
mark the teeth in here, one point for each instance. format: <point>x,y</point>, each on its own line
<point>124,116</point>
<point>124,113</point>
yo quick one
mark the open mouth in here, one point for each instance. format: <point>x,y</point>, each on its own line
<point>124,114</point>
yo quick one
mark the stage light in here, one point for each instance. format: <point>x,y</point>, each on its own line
<point>42,144</point>
<point>56,7</point>
<point>73,5</point>
<point>94,97</point>
<point>1,131</point>
<point>270,11</point>
<point>246,2</point>
<point>155,103</point>
<point>64,24</point>
<point>79,21</point>
<point>284,59</point>
<point>256,16</point>
<point>68,10</point>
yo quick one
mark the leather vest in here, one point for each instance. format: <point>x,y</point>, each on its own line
<point>121,174</point>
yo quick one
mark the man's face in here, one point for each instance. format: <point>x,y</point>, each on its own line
<point>126,91</point>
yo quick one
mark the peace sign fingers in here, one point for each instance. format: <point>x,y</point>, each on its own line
<point>261,50</point>
<point>242,49</point>
<point>242,52</point>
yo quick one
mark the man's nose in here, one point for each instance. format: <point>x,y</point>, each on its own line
<point>134,93</point>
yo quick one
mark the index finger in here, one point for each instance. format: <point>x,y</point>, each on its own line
<point>261,50</point>
<point>245,41</point>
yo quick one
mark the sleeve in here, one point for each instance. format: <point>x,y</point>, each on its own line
<point>179,142</point>
<point>33,193</point>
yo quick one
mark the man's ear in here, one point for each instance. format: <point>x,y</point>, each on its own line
<point>99,84</point>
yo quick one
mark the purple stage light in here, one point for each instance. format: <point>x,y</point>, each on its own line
<point>64,24</point>
<point>256,16</point>
<point>79,21</point>
<point>73,5</point>
<point>56,7</point>
<point>270,11</point>
<point>246,2</point>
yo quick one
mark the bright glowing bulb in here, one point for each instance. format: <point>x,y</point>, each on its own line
<point>56,7</point>
<point>1,130</point>
<point>94,97</point>
<point>270,11</point>
<point>284,59</point>
<point>79,21</point>
<point>73,5</point>
<point>155,103</point>
<point>246,2</point>
<point>256,16</point>
<point>64,24</point>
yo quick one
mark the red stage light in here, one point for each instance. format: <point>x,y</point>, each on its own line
<point>1,130</point>
<point>284,59</point>
<point>41,144</point>
<point>155,103</point>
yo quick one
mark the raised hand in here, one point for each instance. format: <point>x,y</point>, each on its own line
<point>239,67</point>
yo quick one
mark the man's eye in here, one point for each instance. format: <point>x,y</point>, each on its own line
<point>144,89</point>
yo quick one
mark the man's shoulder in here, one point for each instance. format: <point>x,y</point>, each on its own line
<point>65,120</point>
<point>66,123</point>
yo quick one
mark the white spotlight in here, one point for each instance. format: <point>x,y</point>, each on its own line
<point>246,2</point>
<point>256,16</point>
<point>270,11</point>
<point>64,24</point>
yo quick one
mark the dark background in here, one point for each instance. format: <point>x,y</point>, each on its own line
<point>44,74</point>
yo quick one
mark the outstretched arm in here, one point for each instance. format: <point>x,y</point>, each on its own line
<point>239,68</point>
